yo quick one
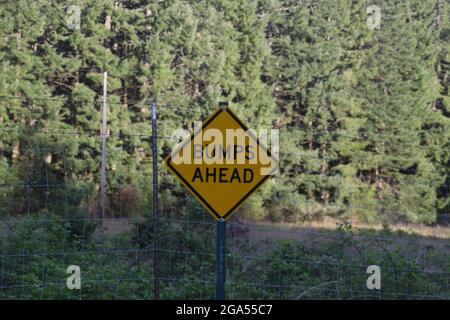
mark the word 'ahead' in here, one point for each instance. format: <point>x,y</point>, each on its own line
<point>222,163</point>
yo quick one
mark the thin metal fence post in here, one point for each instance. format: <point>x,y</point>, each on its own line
<point>220,259</point>
<point>156,262</point>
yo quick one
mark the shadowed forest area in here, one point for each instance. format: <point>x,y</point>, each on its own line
<point>363,114</point>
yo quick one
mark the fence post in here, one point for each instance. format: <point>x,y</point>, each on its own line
<point>156,262</point>
<point>220,259</point>
<point>103,164</point>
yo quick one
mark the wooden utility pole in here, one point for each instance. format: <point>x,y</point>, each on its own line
<point>103,134</point>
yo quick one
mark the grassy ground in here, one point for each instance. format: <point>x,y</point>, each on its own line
<point>264,260</point>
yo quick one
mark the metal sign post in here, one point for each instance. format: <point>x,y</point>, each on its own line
<point>155,205</point>
<point>221,259</point>
<point>243,165</point>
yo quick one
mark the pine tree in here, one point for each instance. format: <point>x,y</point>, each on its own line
<point>363,114</point>
<point>398,88</point>
<point>314,85</point>
<point>441,131</point>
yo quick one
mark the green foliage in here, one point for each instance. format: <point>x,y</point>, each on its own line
<point>364,129</point>
<point>330,265</point>
<point>366,110</point>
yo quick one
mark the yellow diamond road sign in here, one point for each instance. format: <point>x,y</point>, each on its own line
<point>222,163</point>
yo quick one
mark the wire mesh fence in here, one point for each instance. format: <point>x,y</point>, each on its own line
<point>50,204</point>
<point>49,221</point>
<point>261,264</point>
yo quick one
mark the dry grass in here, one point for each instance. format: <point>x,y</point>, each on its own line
<point>440,232</point>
